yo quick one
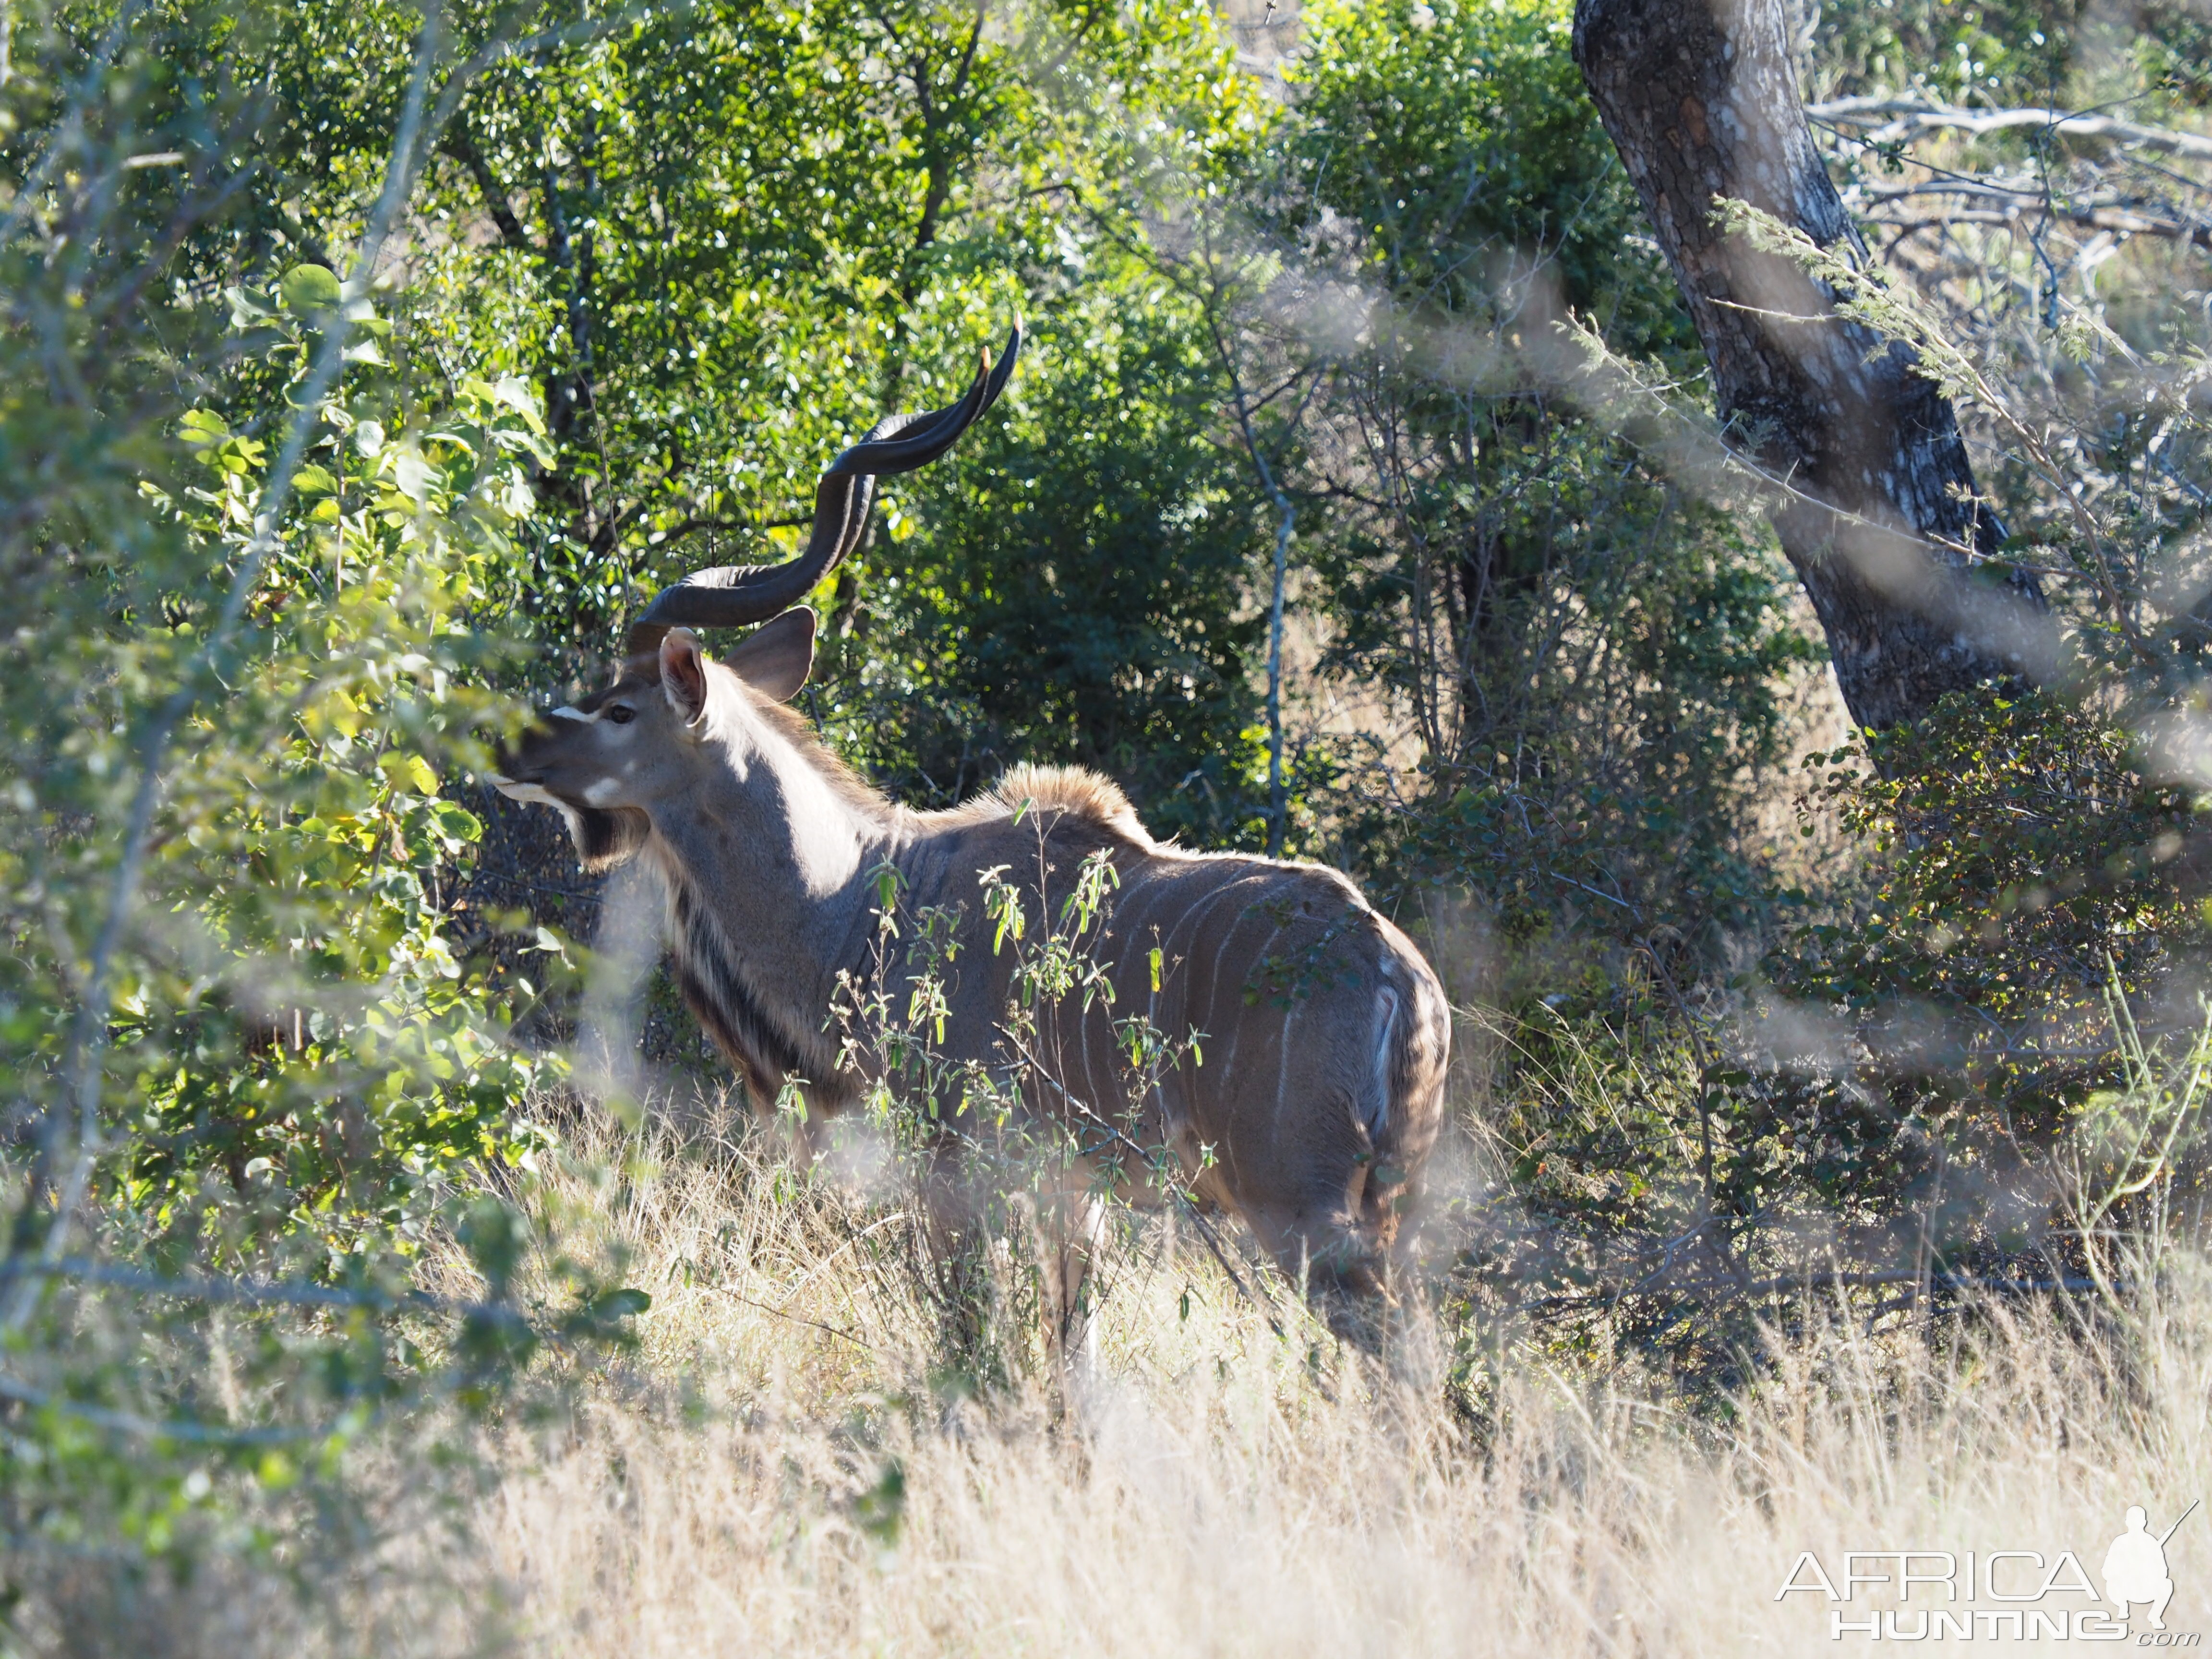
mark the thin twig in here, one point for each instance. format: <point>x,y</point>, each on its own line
<point>1909,118</point>
<point>801,1319</point>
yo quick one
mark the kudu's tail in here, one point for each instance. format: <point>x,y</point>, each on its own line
<point>1404,1108</point>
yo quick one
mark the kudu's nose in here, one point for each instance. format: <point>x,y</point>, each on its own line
<point>511,755</point>
<point>519,775</point>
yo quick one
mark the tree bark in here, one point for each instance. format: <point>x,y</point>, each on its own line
<point>1701,98</point>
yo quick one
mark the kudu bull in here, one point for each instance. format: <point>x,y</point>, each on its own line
<point>1319,1092</point>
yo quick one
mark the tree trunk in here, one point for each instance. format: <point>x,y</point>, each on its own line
<point>1701,99</point>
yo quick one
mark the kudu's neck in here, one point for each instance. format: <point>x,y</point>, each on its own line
<point>766,855</point>
<point>777,851</point>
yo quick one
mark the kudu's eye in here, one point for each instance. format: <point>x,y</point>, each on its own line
<point>621,714</point>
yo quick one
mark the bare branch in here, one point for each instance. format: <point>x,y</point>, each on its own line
<point>2017,211</point>
<point>1899,120</point>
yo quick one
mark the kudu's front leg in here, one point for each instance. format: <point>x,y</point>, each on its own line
<point>1070,1227</point>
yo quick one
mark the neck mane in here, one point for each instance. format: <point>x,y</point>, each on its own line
<point>845,784</point>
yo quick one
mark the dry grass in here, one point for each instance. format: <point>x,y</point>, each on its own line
<point>754,1483</point>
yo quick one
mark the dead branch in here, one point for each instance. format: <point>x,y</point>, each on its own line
<point>1899,120</point>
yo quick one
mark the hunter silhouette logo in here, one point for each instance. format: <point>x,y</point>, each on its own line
<point>1919,1595</point>
<point>2135,1567</point>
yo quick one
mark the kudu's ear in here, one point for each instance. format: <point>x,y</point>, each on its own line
<point>777,657</point>
<point>683,674</point>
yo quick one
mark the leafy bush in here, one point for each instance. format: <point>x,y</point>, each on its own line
<point>254,1082</point>
<point>1076,593</point>
<point>2022,867</point>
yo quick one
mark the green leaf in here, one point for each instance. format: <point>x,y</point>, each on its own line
<point>520,397</point>
<point>623,1303</point>
<point>409,772</point>
<point>459,822</point>
<point>308,289</point>
<point>881,1510</point>
<point>413,475</point>
<point>202,427</point>
<point>276,1471</point>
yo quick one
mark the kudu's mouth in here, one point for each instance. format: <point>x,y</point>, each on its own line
<point>530,790</point>
<point>521,784</point>
<point>511,774</point>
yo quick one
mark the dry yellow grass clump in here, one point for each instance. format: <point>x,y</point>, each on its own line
<point>779,1471</point>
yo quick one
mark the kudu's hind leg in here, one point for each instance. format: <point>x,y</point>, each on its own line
<point>1339,1256</point>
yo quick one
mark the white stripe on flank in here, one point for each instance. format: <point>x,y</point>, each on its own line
<point>1213,973</point>
<point>1237,1023</point>
<point>1192,916</point>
